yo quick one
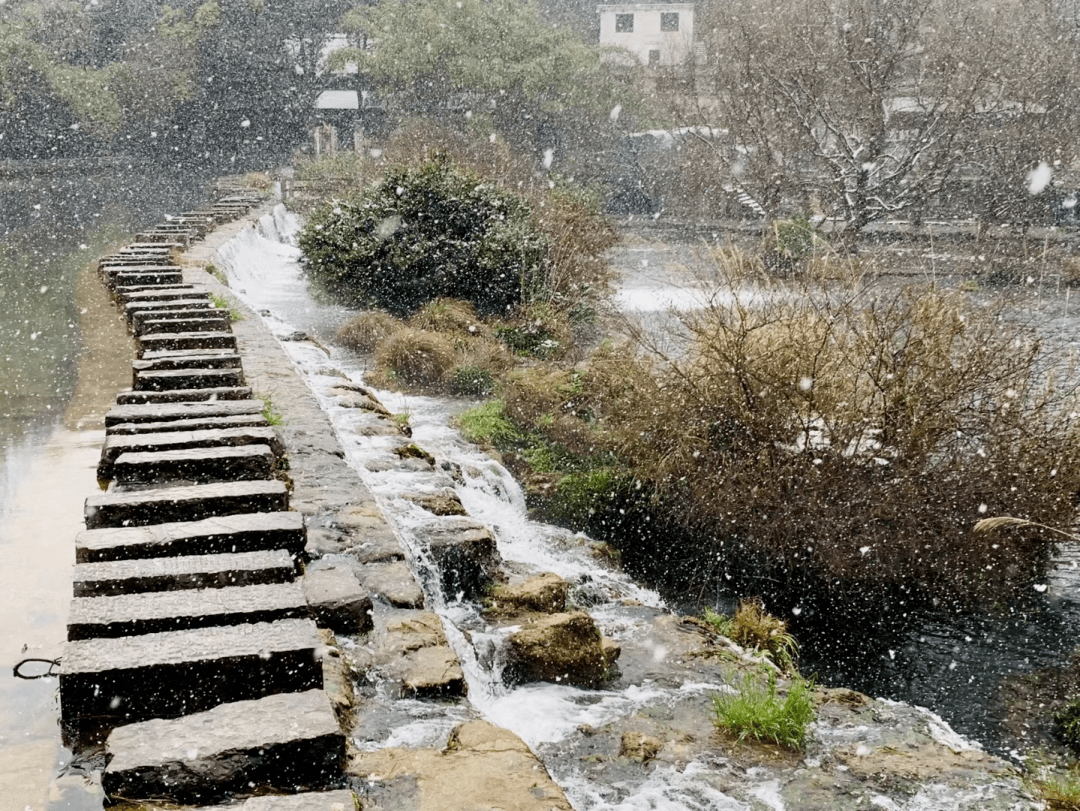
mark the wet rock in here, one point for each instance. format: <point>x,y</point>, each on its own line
<point>413,652</point>
<point>337,680</point>
<point>545,594</point>
<point>639,746</point>
<point>562,648</point>
<point>325,542</point>
<point>352,399</point>
<point>444,502</point>
<point>482,767</point>
<point>337,599</point>
<point>411,451</point>
<point>382,427</point>
<point>393,582</point>
<point>284,742</point>
<point>465,553</point>
<point>384,464</point>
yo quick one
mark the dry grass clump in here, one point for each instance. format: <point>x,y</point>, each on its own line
<point>368,330</point>
<point>848,440</point>
<point>415,358</point>
<point>449,316</point>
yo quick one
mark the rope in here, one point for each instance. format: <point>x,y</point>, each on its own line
<point>50,662</point>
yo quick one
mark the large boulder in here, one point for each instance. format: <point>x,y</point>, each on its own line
<point>465,553</point>
<point>544,594</point>
<point>564,648</point>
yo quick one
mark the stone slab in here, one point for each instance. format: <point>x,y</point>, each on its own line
<point>157,293</point>
<point>210,319</point>
<point>285,742</point>
<point>250,532</point>
<point>127,279</point>
<point>175,440</point>
<point>465,553</point>
<point>191,378</point>
<point>337,599</point>
<point>158,412</point>
<point>184,395</point>
<point>214,359</point>
<point>131,308</point>
<point>342,800</point>
<point>159,611</point>
<point>182,573</point>
<point>245,462</point>
<point>198,501</point>
<point>104,682</point>
<point>193,424</point>
<point>186,340</point>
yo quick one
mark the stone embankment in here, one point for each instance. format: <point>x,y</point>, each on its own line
<point>202,664</point>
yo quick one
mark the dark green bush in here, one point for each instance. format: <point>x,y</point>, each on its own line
<point>1067,724</point>
<point>424,233</point>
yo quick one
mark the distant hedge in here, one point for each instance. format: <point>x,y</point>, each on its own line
<point>424,233</point>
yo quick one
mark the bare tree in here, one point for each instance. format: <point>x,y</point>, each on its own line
<point>869,106</point>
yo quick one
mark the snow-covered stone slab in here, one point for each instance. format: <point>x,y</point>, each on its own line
<point>159,611</point>
<point>135,277</point>
<point>286,742</point>
<point>190,378</point>
<point>174,440</point>
<point>189,359</point>
<point>182,573</point>
<point>208,320</point>
<point>157,293</point>
<point>186,340</point>
<point>193,424</point>
<point>157,412</point>
<point>192,503</point>
<point>165,675</point>
<point>250,532</point>
<point>195,465</point>
<point>141,305</point>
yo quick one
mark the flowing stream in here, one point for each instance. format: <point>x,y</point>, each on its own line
<point>951,667</point>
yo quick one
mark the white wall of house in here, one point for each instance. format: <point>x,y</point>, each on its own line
<point>655,33</point>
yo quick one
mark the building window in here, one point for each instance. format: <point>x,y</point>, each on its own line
<point>669,21</point>
<point>654,57</point>
<point>624,23</point>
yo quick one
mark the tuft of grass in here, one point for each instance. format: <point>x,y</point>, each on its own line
<point>1060,789</point>
<point>473,380</point>
<point>753,627</point>
<point>218,274</point>
<point>756,711</point>
<point>416,358</point>
<point>1067,724</point>
<point>487,424</point>
<point>365,332</point>
<point>224,304</point>
<point>270,412</point>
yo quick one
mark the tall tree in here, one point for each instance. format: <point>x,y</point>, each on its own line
<point>871,106</point>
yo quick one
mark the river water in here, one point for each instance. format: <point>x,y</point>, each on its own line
<point>954,666</point>
<point>64,354</point>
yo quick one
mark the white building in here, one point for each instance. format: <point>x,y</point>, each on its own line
<point>655,33</point>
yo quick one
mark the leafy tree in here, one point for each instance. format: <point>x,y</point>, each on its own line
<point>538,83</point>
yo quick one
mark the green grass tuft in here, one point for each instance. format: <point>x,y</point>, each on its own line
<point>757,712</point>
<point>269,412</point>
<point>487,423</point>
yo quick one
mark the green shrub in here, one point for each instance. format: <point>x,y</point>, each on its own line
<point>424,233</point>
<point>471,380</point>
<point>756,711</point>
<point>1067,724</point>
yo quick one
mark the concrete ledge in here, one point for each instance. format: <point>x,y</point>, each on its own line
<point>222,534</point>
<point>287,742</point>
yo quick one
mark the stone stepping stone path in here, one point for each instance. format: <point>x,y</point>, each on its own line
<point>195,656</point>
